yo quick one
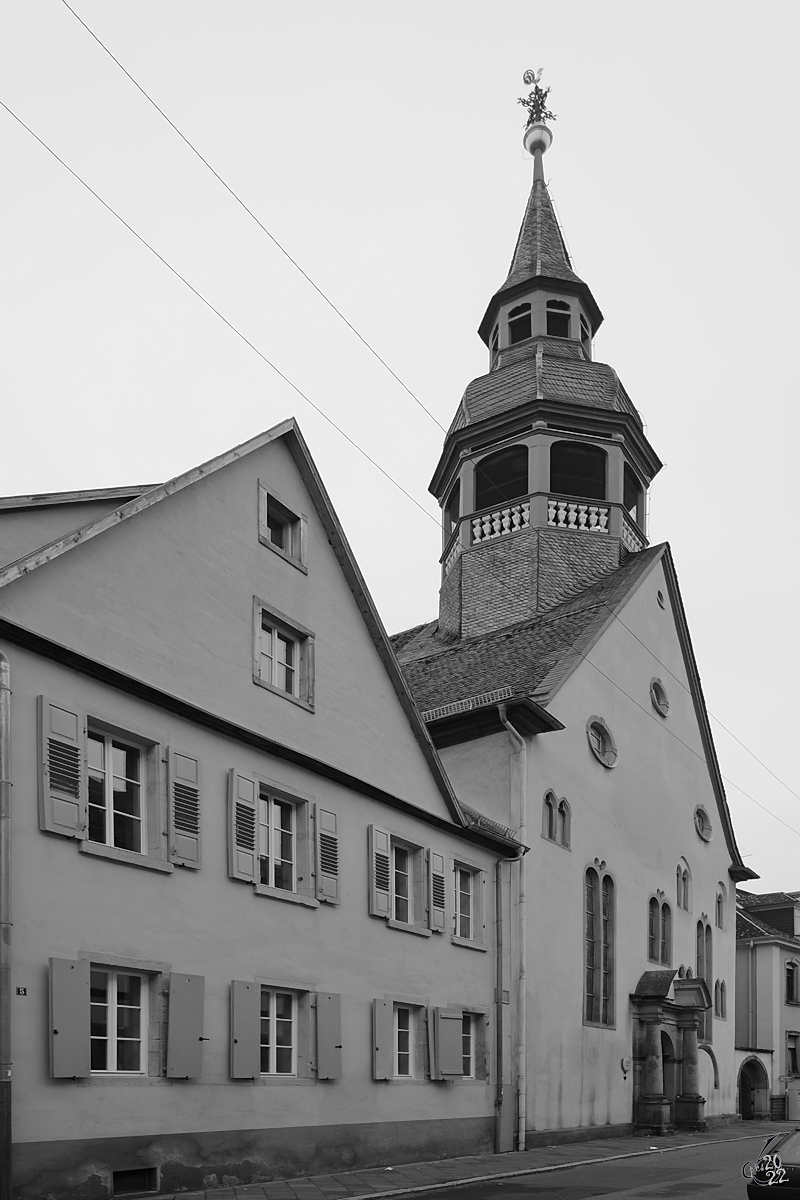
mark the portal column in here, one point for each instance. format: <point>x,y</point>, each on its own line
<point>690,1105</point>
<point>652,1107</point>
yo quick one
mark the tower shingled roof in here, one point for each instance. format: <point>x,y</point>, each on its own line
<point>540,248</point>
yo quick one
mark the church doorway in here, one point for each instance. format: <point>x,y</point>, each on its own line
<point>670,1066</point>
<point>753,1090</point>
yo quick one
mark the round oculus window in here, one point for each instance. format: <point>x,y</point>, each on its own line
<point>658,694</point>
<point>601,742</point>
<point>702,823</point>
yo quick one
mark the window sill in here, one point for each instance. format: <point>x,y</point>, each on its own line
<point>109,1079</point>
<point>284,1080</point>
<point>126,856</point>
<point>792,1003</point>
<point>270,687</point>
<point>262,889</point>
<point>599,1025</point>
<point>294,562</point>
<point>392,924</point>
<point>468,944</point>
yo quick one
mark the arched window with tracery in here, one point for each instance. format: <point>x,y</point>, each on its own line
<point>599,930</point>
<point>719,907</point>
<point>683,885</point>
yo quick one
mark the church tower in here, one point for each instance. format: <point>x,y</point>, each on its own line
<point>544,472</point>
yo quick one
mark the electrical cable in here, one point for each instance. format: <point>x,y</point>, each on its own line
<point>250,213</point>
<point>572,648</point>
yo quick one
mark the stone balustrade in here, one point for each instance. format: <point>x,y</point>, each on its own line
<point>631,538</point>
<point>503,520</point>
<point>577,514</point>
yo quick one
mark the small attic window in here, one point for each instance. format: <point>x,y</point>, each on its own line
<point>586,335</point>
<point>494,345</point>
<point>281,529</point>
<point>519,324</point>
<point>558,318</point>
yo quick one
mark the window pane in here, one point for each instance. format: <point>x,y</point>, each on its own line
<point>126,797</point>
<point>96,752</point>
<point>277,530</point>
<point>128,1056</point>
<point>127,831</point>
<point>466,1045</point>
<point>128,1022</point>
<point>99,1059</point>
<point>283,1060</point>
<point>403,1041</point>
<point>99,987</point>
<point>401,885</point>
<point>125,761</point>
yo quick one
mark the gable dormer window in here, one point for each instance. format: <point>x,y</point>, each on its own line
<point>519,324</point>
<point>558,318</point>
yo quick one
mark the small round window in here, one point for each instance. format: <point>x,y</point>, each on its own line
<point>658,694</point>
<point>601,743</point>
<point>702,823</point>
<point>660,599</point>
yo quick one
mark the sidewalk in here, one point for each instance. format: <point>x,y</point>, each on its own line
<point>449,1172</point>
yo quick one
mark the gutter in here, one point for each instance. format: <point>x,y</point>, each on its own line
<point>519,746</point>
<point>5,928</point>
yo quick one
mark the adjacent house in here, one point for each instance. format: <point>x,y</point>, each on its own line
<point>254,932</point>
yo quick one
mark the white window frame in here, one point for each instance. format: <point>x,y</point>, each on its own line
<point>468,1023</point>
<point>295,525</point>
<point>460,870</point>
<point>273,992</point>
<point>477,915</point>
<point>266,666</point>
<point>111,1039</point>
<point>109,740</point>
<point>410,1033</point>
<point>410,876</point>
<point>270,831</point>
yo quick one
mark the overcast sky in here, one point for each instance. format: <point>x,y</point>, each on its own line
<point>380,143</point>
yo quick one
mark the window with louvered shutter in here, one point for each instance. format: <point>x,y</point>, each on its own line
<point>380,882</point>
<point>62,775</point>
<point>327,888</point>
<point>184,809</point>
<point>242,793</point>
<point>437,893</point>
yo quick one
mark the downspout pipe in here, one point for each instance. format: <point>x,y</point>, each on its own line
<point>520,751</point>
<point>499,1089</point>
<point>5,928</point>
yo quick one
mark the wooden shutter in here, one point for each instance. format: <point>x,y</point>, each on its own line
<point>184,809</point>
<point>329,1035</point>
<point>327,856</point>
<point>380,873</point>
<point>447,1025</point>
<point>62,776</point>
<point>437,893</point>
<point>245,1030</point>
<point>70,1031</point>
<point>185,1032</point>
<point>382,1039</point>
<point>242,826</point>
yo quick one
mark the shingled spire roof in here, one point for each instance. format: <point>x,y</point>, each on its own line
<point>540,248</point>
<point>540,257</point>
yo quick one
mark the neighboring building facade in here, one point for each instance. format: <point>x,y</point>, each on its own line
<point>254,933</point>
<point>559,685</point>
<point>768,1004</point>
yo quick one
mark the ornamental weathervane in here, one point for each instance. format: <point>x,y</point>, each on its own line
<point>536,101</point>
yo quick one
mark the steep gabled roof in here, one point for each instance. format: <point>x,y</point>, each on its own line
<point>290,433</point>
<point>536,658</point>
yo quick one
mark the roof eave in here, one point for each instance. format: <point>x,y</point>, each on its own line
<point>528,716</point>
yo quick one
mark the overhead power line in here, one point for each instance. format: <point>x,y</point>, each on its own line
<point>251,214</point>
<point>573,648</point>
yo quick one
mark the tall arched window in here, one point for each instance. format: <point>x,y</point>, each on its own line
<point>501,477</point>
<point>549,817</point>
<point>679,887</point>
<point>598,948</point>
<point>557,318</point>
<point>665,941</point>
<point>704,971</point>
<point>577,469</point>
<point>564,822</point>
<point>519,324</point>
<point>719,907</point>
<point>652,930</point>
<point>683,885</point>
<point>723,1000</point>
<point>717,1005</point>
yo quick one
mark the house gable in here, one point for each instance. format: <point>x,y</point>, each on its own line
<point>175,574</point>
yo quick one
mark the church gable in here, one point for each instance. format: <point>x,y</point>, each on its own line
<point>238,593</point>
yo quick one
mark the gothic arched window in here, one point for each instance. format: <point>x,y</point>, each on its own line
<point>501,477</point>
<point>719,908</point>
<point>577,469</point>
<point>704,971</point>
<point>665,941</point>
<point>598,948</point>
<point>683,885</point>
<point>557,318</point>
<point>519,324</point>
<point>652,930</point>
<point>549,817</point>
<point>564,822</point>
